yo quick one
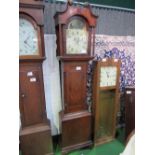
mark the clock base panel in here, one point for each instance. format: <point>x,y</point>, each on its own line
<point>36,140</point>
<point>76,129</point>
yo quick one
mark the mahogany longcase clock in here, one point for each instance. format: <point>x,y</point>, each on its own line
<point>105,99</point>
<point>75,31</point>
<point>35,133</point>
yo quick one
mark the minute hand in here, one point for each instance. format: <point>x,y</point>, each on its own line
<point>27,43</point>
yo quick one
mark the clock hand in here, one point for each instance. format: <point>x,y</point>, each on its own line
<point>27,43</point>
<point>27,38</point>
<point>107,74</point>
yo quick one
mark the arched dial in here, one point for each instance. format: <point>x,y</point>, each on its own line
<point>76,37</point>
<point>28,39</point>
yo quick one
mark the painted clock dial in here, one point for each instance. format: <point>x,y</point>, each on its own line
<point>108,76</point>
<point>76,37</point>
<point>28,39</point>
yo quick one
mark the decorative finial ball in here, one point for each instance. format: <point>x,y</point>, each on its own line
<point>70,2</point>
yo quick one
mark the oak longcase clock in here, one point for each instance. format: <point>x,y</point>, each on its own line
<point>35,129</point>
<point>75,31</point>
<point>105,99</point>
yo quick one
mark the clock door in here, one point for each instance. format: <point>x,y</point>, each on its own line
<point>105,115</point>
<point>75,86</point>
<point>31,98</point>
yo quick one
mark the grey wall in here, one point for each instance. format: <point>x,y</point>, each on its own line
<point>110,21</point>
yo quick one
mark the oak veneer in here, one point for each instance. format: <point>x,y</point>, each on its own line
<point>105,103</point>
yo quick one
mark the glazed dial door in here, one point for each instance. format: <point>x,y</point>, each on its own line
<point>108,76</point>
<point>28,38</point>
<point>76,37</point>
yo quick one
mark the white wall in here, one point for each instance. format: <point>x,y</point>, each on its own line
<point>52,82</point>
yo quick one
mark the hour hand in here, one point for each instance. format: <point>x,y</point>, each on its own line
<point>107,74</point>
<point>26,43</point>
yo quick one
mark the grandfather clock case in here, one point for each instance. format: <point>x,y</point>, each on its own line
<point>105,99</point>
<point>129,110</point>
<point>75,31</point>
<point>35,132</point>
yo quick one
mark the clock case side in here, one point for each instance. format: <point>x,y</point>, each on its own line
<point>33,12</point>
<point>129,110</point>
<point>61,21</point>
<point>96,91</point>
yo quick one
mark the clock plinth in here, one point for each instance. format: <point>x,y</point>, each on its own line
<point>35,140</point>
<point>77,130</point>
<point>105,99</point>
<point>35,133</point>
<point>75,31</point>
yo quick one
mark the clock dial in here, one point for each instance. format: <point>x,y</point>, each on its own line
<point>76,37</point>
<point>28,39</point>
<point>108,76</point>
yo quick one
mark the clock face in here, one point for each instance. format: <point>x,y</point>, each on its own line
<point>28,39</point>
<point>108,76</point>
<point>76,37</point>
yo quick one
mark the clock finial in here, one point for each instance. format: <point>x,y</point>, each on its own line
<point>70,2</point>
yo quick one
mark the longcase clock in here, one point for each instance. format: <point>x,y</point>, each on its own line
<point>35,133</point>
<point>105,99</point>
<point>75,31</point>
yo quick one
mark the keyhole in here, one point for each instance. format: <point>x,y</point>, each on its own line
<point>23,95</point>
